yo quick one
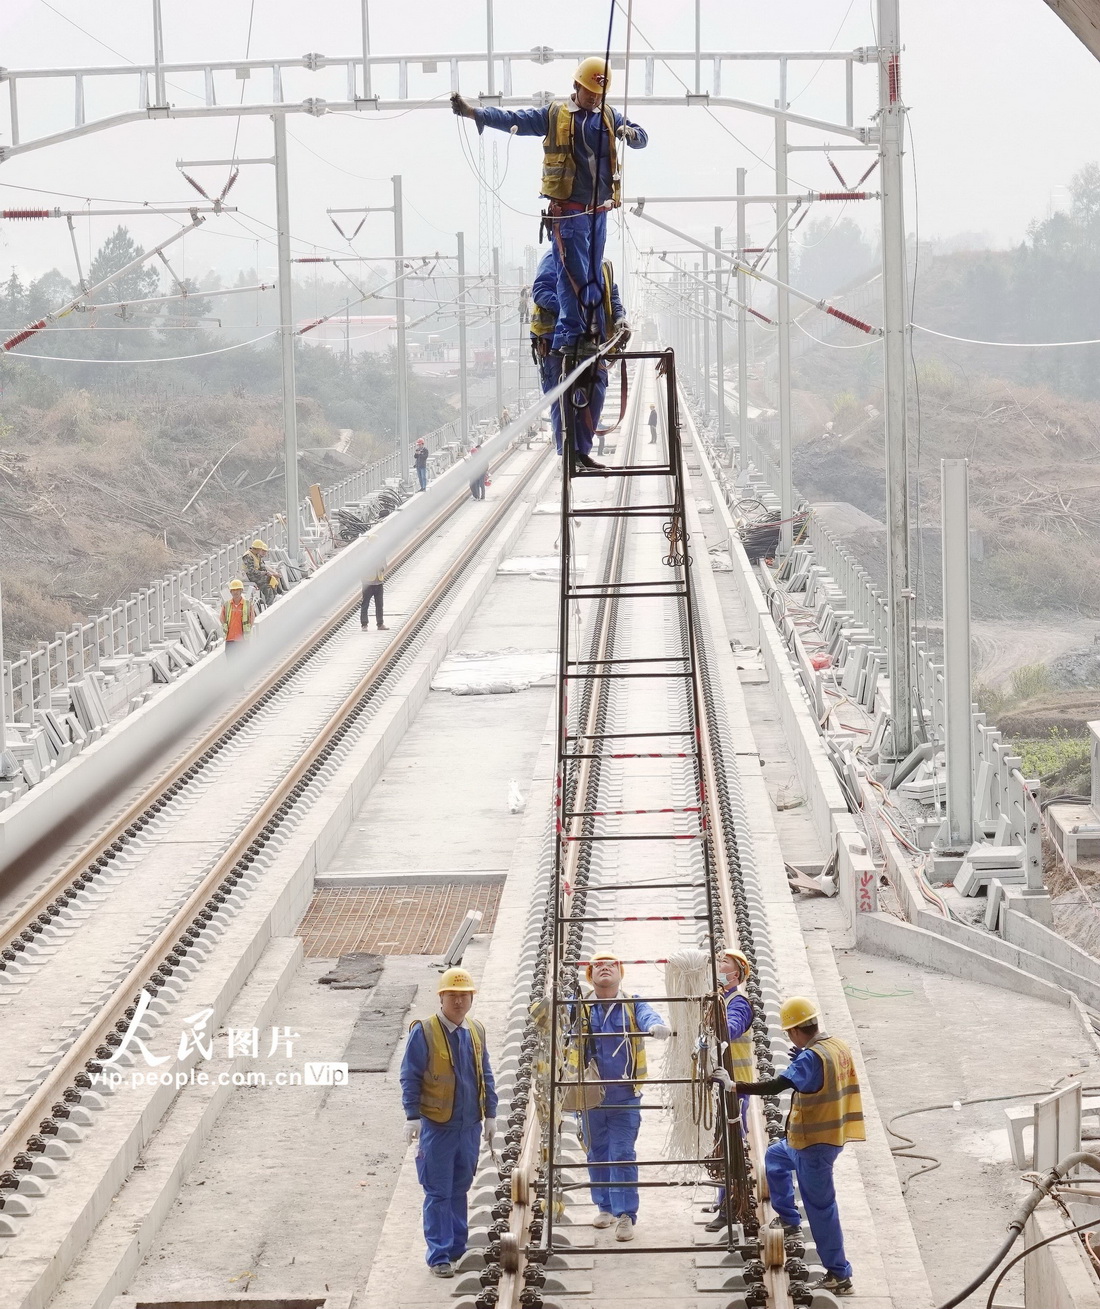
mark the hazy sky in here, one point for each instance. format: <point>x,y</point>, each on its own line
<point>1002,99</point>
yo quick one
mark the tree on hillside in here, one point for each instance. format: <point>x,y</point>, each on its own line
<point>13,301</point>
<point>115,253</point>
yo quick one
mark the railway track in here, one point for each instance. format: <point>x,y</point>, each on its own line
<point>531,1234</point>
<point>129,922</point>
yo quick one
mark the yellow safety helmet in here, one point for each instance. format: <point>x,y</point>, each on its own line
<point>597,958</point>
<point>456,979</point>
<point>259,545</point>
<point>236,584</point>
<point>742,962</point>
<point>796,1011</point>
<point>594,74</point>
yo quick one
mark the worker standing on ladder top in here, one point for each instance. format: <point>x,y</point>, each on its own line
<point>610,320</point>
<point>826,1113</point>
<point>450,1104</point>
<point>611,1034</point>
<point>580,179</point>
<point>734,971</point>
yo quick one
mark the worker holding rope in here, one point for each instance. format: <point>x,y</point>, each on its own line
<point>610,320</point>
<point>826,1113</point>
<point>734,970</point>
<point>581,181</point>
<point>609,1031</point>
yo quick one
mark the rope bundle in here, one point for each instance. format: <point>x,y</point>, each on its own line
<point>688,1054</point>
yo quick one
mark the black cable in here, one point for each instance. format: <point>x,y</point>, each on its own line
<point>1069,1231</point>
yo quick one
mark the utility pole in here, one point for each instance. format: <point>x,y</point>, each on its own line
<point>402,343</point>
<point>286,343</point>
<point>704,327</point>
<point>742,331</point>
<point>719,343</point>
<point>783,318</point>
<point>463,379</point>
<point>8,768</point>
<point>496,330</point>
<point>894,306</point>
<point>958,742</point>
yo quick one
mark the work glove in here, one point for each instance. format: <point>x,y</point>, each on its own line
<point>723,1079</point>
<point>624,132</point>
<point>489,1130</point>
<point>621,325</point>
<point>661,1031</point>
<point>461,108</point>
<point>412,1130</point>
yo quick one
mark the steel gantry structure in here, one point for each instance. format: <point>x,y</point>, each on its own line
<point>352,81</point>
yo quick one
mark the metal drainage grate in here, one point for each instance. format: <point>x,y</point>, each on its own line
<point>393,919</point>
<point>237,1301</point>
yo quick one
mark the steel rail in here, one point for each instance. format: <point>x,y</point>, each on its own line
<point>105,846</point>
<point>13,1139</point>
<point>511,1285</point>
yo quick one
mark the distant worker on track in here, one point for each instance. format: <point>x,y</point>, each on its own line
<point>450,1103</point>
<point>236,616</point>
<point>420,460</point>
<point>481,481</point>
<point>580,179</point>
<point>826,1113</point>
<point>609,320</point>
<point>609,1033</point>
<point>652,421</point>
<point>373,589</point>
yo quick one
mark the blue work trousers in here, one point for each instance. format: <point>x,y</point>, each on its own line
<point>422,477</point>
<point>814,1169</point>
<point>578,258</point>
<point>612,1133</point>
<point>586,418</point>
<point>445,1166</point>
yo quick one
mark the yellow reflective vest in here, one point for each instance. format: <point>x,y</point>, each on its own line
<point>579,1038</point>
<point>559,164</point>
<point>543,321</point>
<point>437,1090</point>
<point>833,1115</point>
<point>740,1048</point>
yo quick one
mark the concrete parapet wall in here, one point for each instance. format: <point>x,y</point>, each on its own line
<point>820,786</point>
<point>1059,1275</point>
<point>885,935</point>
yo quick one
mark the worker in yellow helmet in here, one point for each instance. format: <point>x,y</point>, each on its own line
<point>236,616</point>
<point>259,572</point>
<point>733,971</point>
<point>450,1103</point>
<point>826,1113</point>
<point>580,180</point>
<point>610,1028</point>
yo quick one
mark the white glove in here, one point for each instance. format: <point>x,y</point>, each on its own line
<point>490,1131</point>
<point>660,1031</point>
<point>412,1130</point>
<point>720,1075</point>
<point>626,132</point>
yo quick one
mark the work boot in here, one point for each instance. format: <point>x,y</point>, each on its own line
<point>382,627</point>
<point>603,1219</point>
<point>789,1229</point>
<point>624,1228</point>
<point>586,461</point>
<point>719,1222</point>
<point>442,1270</point>
<point>837,1285</point>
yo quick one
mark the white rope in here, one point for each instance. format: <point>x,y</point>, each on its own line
<point>688,972</point>
<point>1011,345</point>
